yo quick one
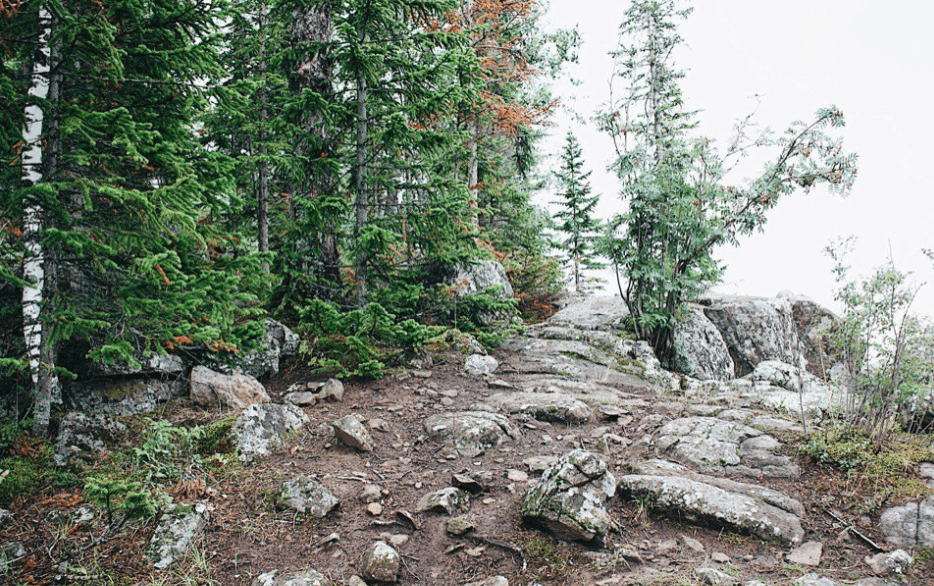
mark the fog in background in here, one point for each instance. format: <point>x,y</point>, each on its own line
<point>875,60</point>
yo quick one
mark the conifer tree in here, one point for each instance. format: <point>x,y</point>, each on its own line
<point>576,218</point>
<point>679,202</point>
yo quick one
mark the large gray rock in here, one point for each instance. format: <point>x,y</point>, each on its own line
<point>816,326</point>
<point>756,329</point>
<point>715,445</point>
<point>470,433</point>
<point>767,495</point>
<point>556,407</point>
<point>474,278</point>
<point>480,364</point>
<point>214,390</point>
<point>307,495</point>
<point>177,532</point>
<point>82,437</point>
<point>259,428</point>
<point>704,504</point>
<point>381,562</point>
<point>569,500</point>
<point>304,578</point>
<point>121,396</point>
<point>804,389</point>
<point>910,525</point>
<point>699,349</point>
<point>593,313</point>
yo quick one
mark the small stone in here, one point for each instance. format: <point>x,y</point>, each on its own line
<point>720,557</point>
<point>449,500</point>
<point>468,483</point>
<point>488,501</point>
<point>715,577</point>
<point>452,394</point>
<point>333,389</point>
<point>351,432</point>
<point>304,578</point>
<point>479,364</point>
<point>330,540</point>
<point>378,424</point>
<point>398,539</point>
<point>692,544</point>
<point>356,581</point>
<point>301,398</point>
<point>446,401</point>
<point>371,493</point>
<point>895,562</point>
<point>666,547</point>
<point>599,431</point>
<point>813,580</point>
<point>807,554</point>
<point>492,581</point>
<point>459,526</point>
<point>381,563</point>
<point>517,475</point>
<point>374,509</point>
<point>5,517</point>
<point>307,495</point>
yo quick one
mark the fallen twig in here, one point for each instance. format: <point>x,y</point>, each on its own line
<point>855,531</point>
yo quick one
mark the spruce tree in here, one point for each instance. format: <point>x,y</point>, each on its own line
<point>576,218</point>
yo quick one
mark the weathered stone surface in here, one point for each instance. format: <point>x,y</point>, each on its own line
<point>304,578</point>
<point>714,444</point>
<point>259,428</point>
<point>82,437</point>
<point>699,349</point>
<point>153,365</point>
<point>806,390</point>
<point>491,581</point>
<point>593,313</point>
<point>349,431</point>
<point>214,390</point>
<point>765,494</point>
<point>307,495</point>
<point>301,398</point>
<point>178,530</point>
<point>459,526</point>
<point>449,500</point>
<point>556,407</point>
<point>706,504</point>
<point>911,525</point>
<point>278,342</point>
<point>470,433</point>
<point>480,364</point>
<point>891,563</point>
<point>569,499</point>
<point>474,278</point>
<point>121,396</point>
<point>381,562</point>
<point>756,329</point>
<point>807,554</point>
<point>815,327</point>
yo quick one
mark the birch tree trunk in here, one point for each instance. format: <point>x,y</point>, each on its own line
<point>38,269</point>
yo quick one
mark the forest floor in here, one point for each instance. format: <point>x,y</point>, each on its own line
<point>248,535</point>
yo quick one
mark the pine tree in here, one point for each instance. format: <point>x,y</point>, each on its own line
<point>576,219</point>
<point>680,205</point>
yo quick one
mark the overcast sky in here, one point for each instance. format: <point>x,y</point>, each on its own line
<point>873,59</point>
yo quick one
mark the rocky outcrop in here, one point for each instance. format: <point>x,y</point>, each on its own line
<point>569,500</point>
<point>815,325</point>
<point>122,396</point>
<point>755,330</point>
<point>699,349</point>
<point>470,433</point>
<point>714,444</point>
<point>82,437</point>
<point>259,428</point>
<point>911,525</point>
<point>213,390</point>
<point>708,505</point>
<point>804,390</point>
<point>177,532</point>
<point>557,407</point>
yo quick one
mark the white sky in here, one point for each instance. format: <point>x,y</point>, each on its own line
<point>873,59</point>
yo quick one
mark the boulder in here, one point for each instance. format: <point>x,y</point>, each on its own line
<point>715,445</point>
<point>332,389</point>
<point>911,525</point>
<point>83,437</point>
<point>699,349</point>
<point>177,532</point>
<point>474,278</point>
<point>806,389</point>
<point>306,495</point>
<point>756,329</point>
<point>603,313</point>
<point>470,433</point>
<point>815,325</point>
<point>277,342</point>
<point>259,428</point>
<point>556,407</point>
<point>349,431</point>
<point>304,578</point>
<point>212,389</point>
<point>704,504</point>
<point>381,562</point>
<point>569,500</point>
<point>480,364</point>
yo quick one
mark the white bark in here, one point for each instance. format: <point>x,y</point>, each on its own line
<point>44,380</point>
